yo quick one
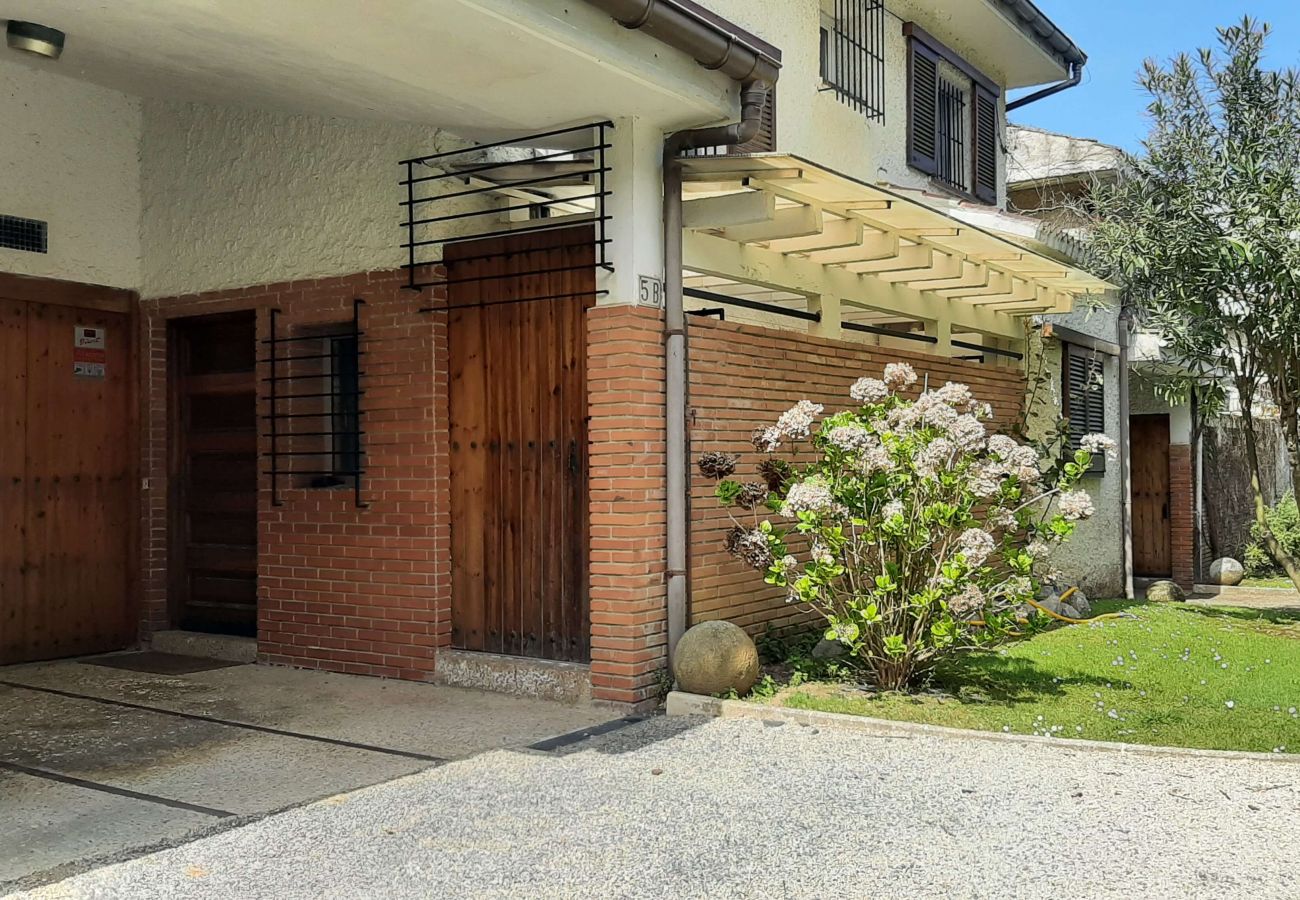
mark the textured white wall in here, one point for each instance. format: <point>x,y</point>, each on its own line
<point>1094,556</point>
<point>69,154</point>
<point>815,124</point>
<point>236,197</point>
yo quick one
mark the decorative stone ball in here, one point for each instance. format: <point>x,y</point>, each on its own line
<point>1226,571</point>
<point>1165,592</point>
<point>714,658</point>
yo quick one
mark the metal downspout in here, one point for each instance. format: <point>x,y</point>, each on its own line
<point>1124,332</point>
<point>1076,76</point>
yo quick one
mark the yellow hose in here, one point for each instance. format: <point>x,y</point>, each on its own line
<point>1047,612</point>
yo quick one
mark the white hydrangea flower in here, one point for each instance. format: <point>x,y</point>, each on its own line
<point>1002,446</point>
<point>797,421</point>
<point>976,544</point>
<point>875,458</point>
<point>1100,443</point>
<point>811,495</point>
<point>891,509</point>
<point>958,396</point>
<point>899,375</point>
<point>1076,505</point>
<point>851,437</point>
<point>967,432</point>
<point>935,456</point>
<point>1037,549</point>
<point>869,390</point>
<point>967,601</point>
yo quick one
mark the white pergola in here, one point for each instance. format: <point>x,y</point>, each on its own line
<point>810,238</point>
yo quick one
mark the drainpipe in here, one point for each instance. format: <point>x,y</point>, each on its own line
<point>718,45</point>
<point>1123,335</point>
<point>1076,76</point>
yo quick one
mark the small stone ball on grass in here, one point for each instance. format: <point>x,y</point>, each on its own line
<point>715,658</point>
<point>1165,592</point>
<point>1227,571</point>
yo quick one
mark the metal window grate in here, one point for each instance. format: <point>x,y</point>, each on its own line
<point>541,182</point>
<point>853,56</point>
<point>28,235</point>
<point>313,395</point>
<point>952,130</point>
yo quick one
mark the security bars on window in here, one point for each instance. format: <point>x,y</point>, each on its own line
<point>313,393</point>
<point>28,235</point>
<point>853,56</point>
<point>541,182</point>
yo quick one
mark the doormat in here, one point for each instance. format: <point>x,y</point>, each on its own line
<point>155,663</point>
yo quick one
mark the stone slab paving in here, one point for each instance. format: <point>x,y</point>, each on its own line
<point>692,807</point>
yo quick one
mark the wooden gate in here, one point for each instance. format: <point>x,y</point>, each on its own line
<point>213,460</point>
<point>1151,534</point>
<point>518,406</point>
<point>67,516</point>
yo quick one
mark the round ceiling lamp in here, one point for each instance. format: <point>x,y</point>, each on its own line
<point>33,38</point>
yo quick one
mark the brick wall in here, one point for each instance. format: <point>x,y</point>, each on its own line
<point>364,591</point>
<point>743,376</point>
<point>625,380</point>
<point>1182,515</point>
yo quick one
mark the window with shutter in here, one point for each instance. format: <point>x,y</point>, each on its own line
<point>1083,392</point>
<point>952,118</point>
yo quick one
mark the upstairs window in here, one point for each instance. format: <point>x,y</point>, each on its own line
<point>952,118</point>
<point>1083,396</point>
<point>853,54</point>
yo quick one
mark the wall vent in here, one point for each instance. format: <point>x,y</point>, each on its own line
<point>17,233</point>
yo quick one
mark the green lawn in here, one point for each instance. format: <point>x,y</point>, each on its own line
<point>1269,581</point>
<point>1178,675</point>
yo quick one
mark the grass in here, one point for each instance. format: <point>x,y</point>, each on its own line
<point>1267,581</point>
<point>1176,675</point>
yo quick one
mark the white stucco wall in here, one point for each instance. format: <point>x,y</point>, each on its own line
<point>814,123</point>
<point>69,154</point>
<point>235,197</point>
<point>1094,556</point>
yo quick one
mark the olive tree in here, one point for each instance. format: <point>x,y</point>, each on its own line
<point>1203,233</point>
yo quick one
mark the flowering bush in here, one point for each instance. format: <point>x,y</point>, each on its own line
<point>913,531</point>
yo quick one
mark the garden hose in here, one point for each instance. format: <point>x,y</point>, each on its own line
<point>1047,612</point>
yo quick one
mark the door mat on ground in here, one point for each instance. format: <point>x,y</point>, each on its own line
<point>160,663</point>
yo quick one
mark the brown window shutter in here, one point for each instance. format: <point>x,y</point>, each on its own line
<point>765,140</point>
<point>985,146</point>
<point>1084,395</point>
<point>922,107</point>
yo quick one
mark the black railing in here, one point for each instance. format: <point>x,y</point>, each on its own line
<point>757,305</point>
<point>890,332</point>
<point>853,56</point>
<point>332,428</point>
<point>458,200</point>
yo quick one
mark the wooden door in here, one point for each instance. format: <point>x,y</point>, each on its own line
<point>1149,436</point>
<point>66,511</point>
<point>213,457</point>
<point>518,406</point>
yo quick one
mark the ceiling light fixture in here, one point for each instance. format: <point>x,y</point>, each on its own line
<point>33,38</point>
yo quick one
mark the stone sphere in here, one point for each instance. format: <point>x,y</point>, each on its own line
<point>714,658</point>
<point>1226,571</point>
<point>1165,592</point>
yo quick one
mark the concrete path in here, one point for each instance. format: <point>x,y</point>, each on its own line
<point>100,763</point>
<point>729,808</point>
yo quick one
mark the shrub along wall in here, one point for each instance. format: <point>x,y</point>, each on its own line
<point>743,376</point>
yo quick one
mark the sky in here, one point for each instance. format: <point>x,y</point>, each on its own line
<point>1118,35</point>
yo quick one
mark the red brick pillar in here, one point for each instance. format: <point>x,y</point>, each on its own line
<point>1182,515</point>
<point>625,378</point>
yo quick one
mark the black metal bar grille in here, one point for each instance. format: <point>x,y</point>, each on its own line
<point>334,452</point>
<point>540,182</point>
<point>951,142</point>
<point>992,351</point>
<point>760,306</point>
<point>889,332</point>
<point>853,56</point>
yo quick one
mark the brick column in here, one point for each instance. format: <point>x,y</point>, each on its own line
<point>1182,515</point>
<point>625,378</point>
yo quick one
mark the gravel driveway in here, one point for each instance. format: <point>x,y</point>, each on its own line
<point>733,808</point>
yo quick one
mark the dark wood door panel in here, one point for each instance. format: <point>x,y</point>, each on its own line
<point>518,406</point>
<point>214,474</point>
<point>1152,555</point>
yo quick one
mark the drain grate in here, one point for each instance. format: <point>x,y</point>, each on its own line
<point>155,663</point>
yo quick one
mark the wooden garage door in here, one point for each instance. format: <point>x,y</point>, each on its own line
<point>213,556</point>
<point>65,481</point>
<point>518,406</point>
<point>1151,536</point>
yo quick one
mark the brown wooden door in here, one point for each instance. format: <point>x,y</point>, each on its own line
<point>213,559</point>
<point>65,482</point>
<point>1151,536</point>
<point>518,405</point>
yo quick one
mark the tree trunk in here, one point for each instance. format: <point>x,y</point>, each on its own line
<point>1280,556</point>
